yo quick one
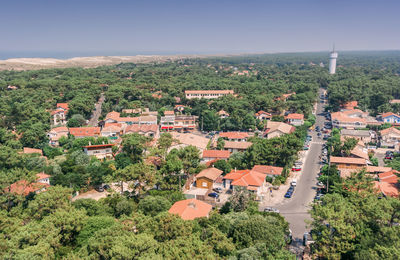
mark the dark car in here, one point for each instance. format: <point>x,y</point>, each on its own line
<point>99,188</point>
<point>217,190</point>
<point>288,194</point>
<point>213,195</point>
<point>106,187</point>
<point>389,155</point>
<point>326,137</point>
<point>317,128</point>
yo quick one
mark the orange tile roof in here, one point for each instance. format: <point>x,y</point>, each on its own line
<point>348,160</point>
<point>190,209</point>
<point>210,173</point>
<point>343,117</point>
<point>59,129</point>
<point>63,106</point>
<point>372,169</point>
<point>358,153</point>
<point>98,146</point>
<point>113,115</point>
<point>234,135</point>
<point>389,189</point>
<point>209,92</point>
<point>246,178</point>
<point>23,187</point>
<point>84,131</point>
<point>389,114</point>
<point>279,126</point>
<point>269,170</point>
<point>237,145</point>
<point>295,116</point>
<point>28,150</point>
<point>216,154</point>
<point>350,104</point>
<point>261,112</point>
<point>223,112</point>
<point>42,175</point>
<point>390,176</point>
<point>390,130</point>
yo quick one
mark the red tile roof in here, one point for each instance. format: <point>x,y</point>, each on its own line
<point>387,188</point>
<point>295,116</point>
<point>246,178</point>
<point>216,154</point>
<point>98,146</point>
<point>237,145</point>
<point>210,173</point>
<point>350,105</point>
<point>261,112</point>
<point>141,128</point>
<point>42,175</point>
<point>23,187</point>
<point>269,170</point>
<point>389,176</point>
<point>390,130</point>
<point>234,135</point>
<point>190,209</point>
<point>59,129</point>
<point>84,131</point>
<point>373,169</point>
<point>389,114</point>
<point>348,160</point>
<point>63,106</point>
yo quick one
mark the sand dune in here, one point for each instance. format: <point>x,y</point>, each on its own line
<point>86,62</point>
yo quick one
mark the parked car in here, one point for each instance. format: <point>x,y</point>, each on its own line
<point>270,209</point>
<point>288,194</point>
<point>306,148</point>
<point>213,195</point>
<point>389,155</point>
<point>294,183</point>
<point>296,168</point>
<point>326,137</point>
<point>99,188</point>
<point>321,184</point>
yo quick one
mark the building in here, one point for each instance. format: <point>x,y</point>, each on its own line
<point>23,187</point>
<point>28,150</point>
<point>207,94</point>
<point>390,137</point>
<point>234,147</point>
<point>390,117</point>
<point>388,183</point>
<point>348,162</point>
<point>60,114</point>
<point>363,135</point>
<point>171,122</point>
<point>146,130</point>
<point>112,129</point>
<point>295,119</point>
<point>276,129</point>
<point>56,133</point>
<point>115,117</point>
<point>270,171</point>
<point>349,119</point>
<point>223,114</point>
<point>211,155</point>
<point>82,132</point>
<point>377,169</point>
<point>206,178</point>
<point>101,151</point>
<point>234,136</point>
<point>190,209</point>
<point>252,180</point>
<point>332,61</point>
<point>262,115</point>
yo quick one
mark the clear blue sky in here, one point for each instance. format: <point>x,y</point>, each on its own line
<point>201,26</point>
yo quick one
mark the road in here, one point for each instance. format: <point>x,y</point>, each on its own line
<point>295,210</point>
<point>94,120</point>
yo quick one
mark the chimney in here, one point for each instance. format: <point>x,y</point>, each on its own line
<point>235,169</point>
<point>90,143</point>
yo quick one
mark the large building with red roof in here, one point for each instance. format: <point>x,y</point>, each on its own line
<point>235,136</point>
<point>82,132</point>
<point>207,94</point>
<point>251,180</point>
<point>101,151</point>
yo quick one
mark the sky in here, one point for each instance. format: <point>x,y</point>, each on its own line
<point>122,27</point>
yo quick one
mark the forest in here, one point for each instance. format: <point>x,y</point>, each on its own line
<point>136,224</point>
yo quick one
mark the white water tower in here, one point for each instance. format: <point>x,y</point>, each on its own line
<point>332,61</point>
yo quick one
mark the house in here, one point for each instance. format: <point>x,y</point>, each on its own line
<point>270,171</point>
<point>146,130</point>
<point>223,114</point>
<point>358,153</point>
<point>390,117</point>
<point>394,101</point>
<point>60,114</point>
<point>234,136</point>
<point>27,150</point>
<point>206,178</point>
<point>82,132</point>
<point>276,129</point>
<point>115,117</point>
<point>363,135</point>
<point>207,94</point>
<point>348,162</point>
<point>186,139</point>
<point>388,183</point>
<point>112,129</point>
<point>234,147</point>
<point>295,119</point>
<point>390,137</point>
<point>349,119</point>
<point>101,151</point>
<point>252,180</point>
<point>182,122</point>
<point>262,115</point>
<point>23,187</point>
<point>9,87</point>
<point>191,209</point>
<point>56,133</point>
<point>210,155</point>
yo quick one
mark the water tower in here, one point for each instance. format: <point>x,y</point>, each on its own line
<point>332,61</point>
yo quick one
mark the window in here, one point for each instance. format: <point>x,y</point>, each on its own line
<point>204,184</point>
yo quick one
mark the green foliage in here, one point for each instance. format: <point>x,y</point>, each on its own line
<point>152,205</point>
<point>224,166</point>
<point>76,120</point>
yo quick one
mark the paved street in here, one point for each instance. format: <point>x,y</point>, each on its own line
<point>94,120</point>
<point>295,210</point>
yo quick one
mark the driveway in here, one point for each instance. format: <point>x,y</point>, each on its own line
<point>295,210</point>
<point>92,194</point>
<point>94,120</point>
